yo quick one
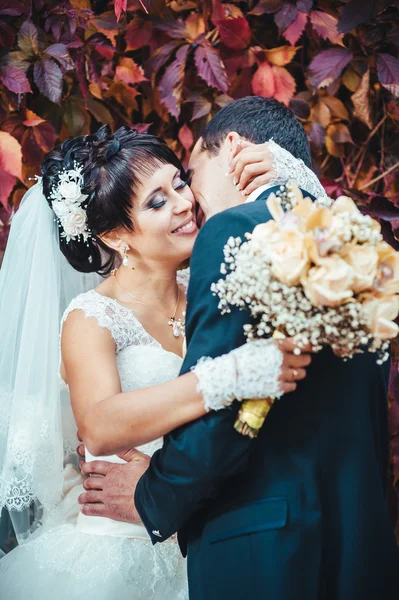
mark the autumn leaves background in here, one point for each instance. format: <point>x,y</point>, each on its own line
<point>167,65</point>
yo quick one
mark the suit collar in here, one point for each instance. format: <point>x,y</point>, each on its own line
<point>256,193</point>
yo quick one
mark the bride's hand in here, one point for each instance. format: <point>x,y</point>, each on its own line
<point>251,166</point>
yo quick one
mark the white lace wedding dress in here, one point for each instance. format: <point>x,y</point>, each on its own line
<point>94,558</point>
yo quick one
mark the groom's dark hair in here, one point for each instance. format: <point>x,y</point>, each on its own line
<point>258,120</point>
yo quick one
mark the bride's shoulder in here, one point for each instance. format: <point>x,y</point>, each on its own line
<point>91,305</point>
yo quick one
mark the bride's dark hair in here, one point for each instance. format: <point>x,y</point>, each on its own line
<point>112,165</point>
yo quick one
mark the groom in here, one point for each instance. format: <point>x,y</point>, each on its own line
<point>299,513</point>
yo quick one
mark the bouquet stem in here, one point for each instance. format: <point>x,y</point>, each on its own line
<point>253,413</point>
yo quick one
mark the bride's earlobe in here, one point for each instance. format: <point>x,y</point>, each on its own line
<point>125,257</point>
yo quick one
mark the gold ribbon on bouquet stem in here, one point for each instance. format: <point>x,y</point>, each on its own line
<point>253,413</point>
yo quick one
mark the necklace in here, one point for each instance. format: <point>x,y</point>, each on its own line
<point>178,325</point>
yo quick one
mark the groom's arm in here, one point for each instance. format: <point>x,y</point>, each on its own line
<point>196,458</point>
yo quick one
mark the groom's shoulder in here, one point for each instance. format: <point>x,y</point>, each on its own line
<point>235,221</point>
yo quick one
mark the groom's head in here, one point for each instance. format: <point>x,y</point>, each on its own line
<point>253,118</point>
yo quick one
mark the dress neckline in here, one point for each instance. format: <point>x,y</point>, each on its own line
<point>131,314</point>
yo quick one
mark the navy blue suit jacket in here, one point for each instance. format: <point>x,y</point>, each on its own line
<point>299,513</point>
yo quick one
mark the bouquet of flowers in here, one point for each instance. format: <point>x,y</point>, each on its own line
<point>318,271</point>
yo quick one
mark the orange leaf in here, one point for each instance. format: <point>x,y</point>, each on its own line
<point>129,72</point>
<point>321,114</point>
<point>336,107</point>
<point>334,148</point>
<point>32,120</point>
<point>10,155</point>
<point>281,56</point>
<point>339,133</point>
<point>361,101</point>
<point>186,137</point>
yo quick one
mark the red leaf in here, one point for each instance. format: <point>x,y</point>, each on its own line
<point>7,37</point>
<point>138,34</point>
<point>300,108</point>
<point>353,14</point>
<point>80,63</point>
<point>186,137</point>
<point>119,7</point>
<point>171,84</point>
<point>48,78</point>
<point>218,11</point>
<point>10,155</point>
<point>328,65</point>
<point>235,33</point>
<point>173,28</point>
<point>284,83</point>
<point>326,26</point>
<point>7,183</point>
<point>388,69</point>
<point>210,66</point>
<point>15,80</point>
<point>11,8</point>
<point>28,38</point>
<point>263,81</point>
<point>295,30</point>
<point>45,136</point>
<point>266,7</point>
<point>60,53</point>
<point>285,16</point>
<point>10,165</point>
<point>317,135</point>
<point>162,55</point>
<point>273,82</point>
<point>202,107</point>
<point>304,5</point>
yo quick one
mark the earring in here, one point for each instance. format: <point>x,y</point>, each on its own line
<point>125,258</point>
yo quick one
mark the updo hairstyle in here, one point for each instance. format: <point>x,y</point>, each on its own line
<point>112,167</point>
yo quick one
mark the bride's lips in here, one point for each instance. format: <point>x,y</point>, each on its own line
<point>186,228</point>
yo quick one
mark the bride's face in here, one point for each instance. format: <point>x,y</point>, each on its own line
<point>164,217</point>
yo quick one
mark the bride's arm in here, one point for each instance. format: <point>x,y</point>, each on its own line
<point>255,165</point>
<point>110,421</point>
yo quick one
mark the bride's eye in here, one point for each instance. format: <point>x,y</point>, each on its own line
<point>157,203</point>
<point>179,183</point>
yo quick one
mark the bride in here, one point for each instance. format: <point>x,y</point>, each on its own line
<point>118,206</point>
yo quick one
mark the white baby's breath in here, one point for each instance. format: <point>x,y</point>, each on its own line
<point>324,308</point>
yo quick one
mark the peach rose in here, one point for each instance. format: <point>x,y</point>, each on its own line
<point>364,261</point>
<point>387,278</point>
<point>344,204</point>
<point>273,203</point>
<point>262,235</point>
<point>329,284</point>
<point>380,314</point>
<point>288,256</point>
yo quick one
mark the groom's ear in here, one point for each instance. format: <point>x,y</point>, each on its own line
<point>233,141</point>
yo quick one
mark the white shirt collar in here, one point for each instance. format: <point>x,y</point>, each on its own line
<point>256,193</point>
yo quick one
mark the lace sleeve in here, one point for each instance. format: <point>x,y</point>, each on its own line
<point>110,315</point>
<point>288,167</point>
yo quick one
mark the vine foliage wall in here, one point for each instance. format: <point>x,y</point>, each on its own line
<point>167,65</point>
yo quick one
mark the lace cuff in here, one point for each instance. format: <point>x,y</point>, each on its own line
<point>251,371</point>
<point>288,167</point>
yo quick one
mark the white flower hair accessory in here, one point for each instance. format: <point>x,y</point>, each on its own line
<point>66,201</point>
